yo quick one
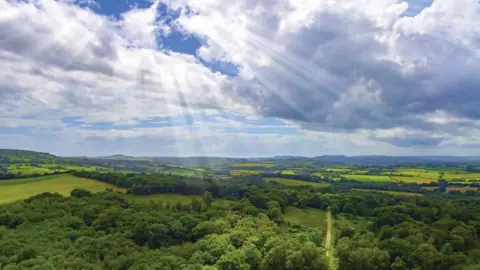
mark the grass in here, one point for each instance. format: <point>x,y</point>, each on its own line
<point>28,170</point>
<point>420,173</point>
<point>317,174</point>
<point>288,172</point>
<point>244,172</point>
<point>413,179</point>
<point>253,164</point>
<point>457,176</point>
<point>306,217</point>
<point>389,192</point>
<point>291,182</point>
<point>13,190</point>
<point>368,178</point>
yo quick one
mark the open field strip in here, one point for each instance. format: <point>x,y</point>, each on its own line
<point>19,189</point>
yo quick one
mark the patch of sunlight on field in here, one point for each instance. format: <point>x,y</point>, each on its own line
<point>13,190</point>
<point>291,182</point>
<point>308,217</point>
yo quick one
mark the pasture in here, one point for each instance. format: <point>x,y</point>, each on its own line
<point>291,182</point>
<point>28,170</point>
<point>19,189</point>
<point>413,179</point>
<point>309,217</point>
<point>288,172</point>
<point>367,178</point>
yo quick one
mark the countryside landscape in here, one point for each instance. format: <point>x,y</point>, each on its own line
<point>328,212</point>
<point>239,135</point>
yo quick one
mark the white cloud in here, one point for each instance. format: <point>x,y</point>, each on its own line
<point>63,60</point>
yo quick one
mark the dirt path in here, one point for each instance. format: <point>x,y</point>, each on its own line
<point>328,238</point>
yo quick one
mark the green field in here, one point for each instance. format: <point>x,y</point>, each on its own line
<point>413,179</point>
<point>372,178</point>
<point>306,217</point>
<point>288,172</point>
<point>291,182</point>
<point>28,170</point>
<point>18,189</point>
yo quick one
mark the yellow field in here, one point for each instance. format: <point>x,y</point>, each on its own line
<point>291,182</point>
<point>413,179</point>
<point>458,176</point>
<point>420,173</point>
<point>13,190</point>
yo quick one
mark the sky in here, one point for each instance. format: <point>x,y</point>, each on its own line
<point>243,78</point>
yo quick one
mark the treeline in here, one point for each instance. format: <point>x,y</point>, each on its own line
<point>145,184</point>
<point>10,176</point>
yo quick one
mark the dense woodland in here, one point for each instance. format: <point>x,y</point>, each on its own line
<point>247,230</point>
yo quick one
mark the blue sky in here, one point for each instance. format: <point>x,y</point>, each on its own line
<point>240,78</point>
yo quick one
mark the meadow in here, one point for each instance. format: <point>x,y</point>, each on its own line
<point>13,190</point>
<point>309,217</point>
<point>291,182</point>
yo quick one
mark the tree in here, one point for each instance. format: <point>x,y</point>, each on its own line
<point>207,199</point>
<point>196,205</point>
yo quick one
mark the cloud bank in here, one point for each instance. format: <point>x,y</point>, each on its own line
<point>398,76</point>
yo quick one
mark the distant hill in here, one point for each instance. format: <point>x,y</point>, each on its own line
<point>24,154</point>
<point>18,155</point>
